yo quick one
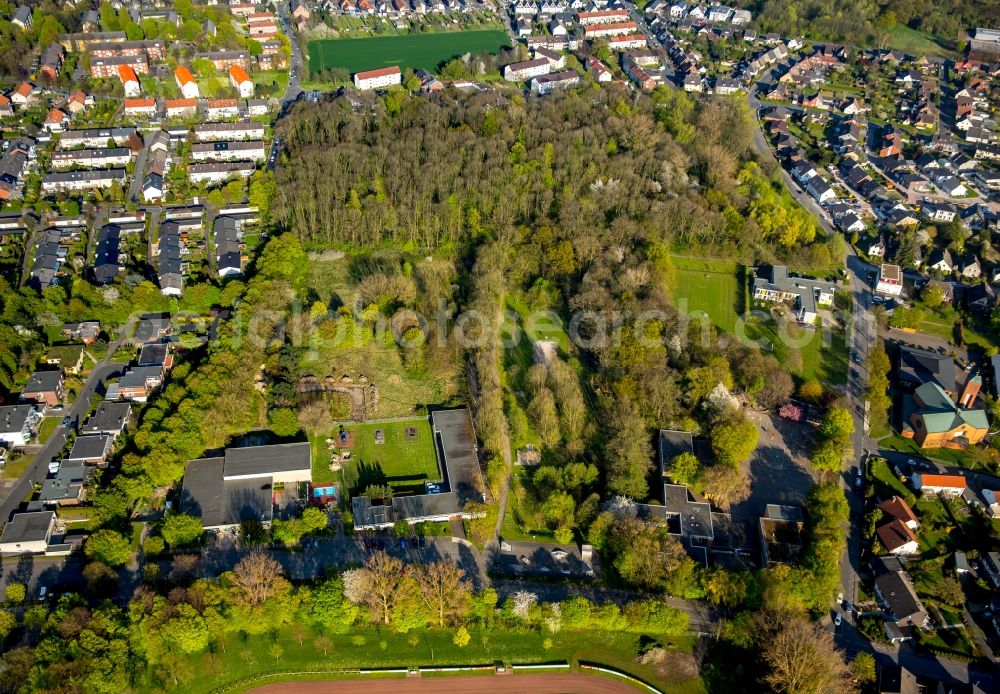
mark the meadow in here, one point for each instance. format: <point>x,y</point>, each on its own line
<point>426,51</point>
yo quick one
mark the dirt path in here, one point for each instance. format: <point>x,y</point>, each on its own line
<point>517,684</point>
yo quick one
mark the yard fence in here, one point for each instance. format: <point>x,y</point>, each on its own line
<point>245,683</point>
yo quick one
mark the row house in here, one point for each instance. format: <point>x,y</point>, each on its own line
<point>170,265</point>
<point>219,109</point>
<point>154,50</point>
<point>82,180</point>
<point>608,30</point>
<point>140,108</point>
<point>99,137</point>
<point>556,81</point>
<point>108,67</point>
<point>245,150</point>
<point>519,72</point>
<point>223,60</point>
<point>82,41</point>
<point>221,172</point>
<point>108,256</point>
<point>99,158</point>
<point>204,132</point>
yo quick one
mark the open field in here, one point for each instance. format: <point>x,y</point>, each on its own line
<point>917,43</point>
<point>402,461</point>
<point>425,51</point>
<point>707,287</point>
<point>371,648</point>
<point>714,288</point>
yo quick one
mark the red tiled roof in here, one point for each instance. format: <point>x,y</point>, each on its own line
<point>943,481</point>
<point>183,75</point>
<point>381,72</point>
<point>127,74</point>
<point>238,74</point>
<point>899,509</point>
<point>140,103</point>
<point>895,534</point>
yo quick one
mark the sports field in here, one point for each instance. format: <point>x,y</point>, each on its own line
<point>709,287</point>
<point>425,51</point>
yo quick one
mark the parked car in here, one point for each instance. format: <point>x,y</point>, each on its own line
<point>838,620</point>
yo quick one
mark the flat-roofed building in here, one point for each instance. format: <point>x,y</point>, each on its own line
<point>28,533</point>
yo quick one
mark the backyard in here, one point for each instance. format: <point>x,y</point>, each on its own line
<point>404,461</point>
<point>426,51</point>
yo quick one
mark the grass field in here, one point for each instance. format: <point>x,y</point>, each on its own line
<point>917,43</point>
<point>401,462</point>
<point>425,51</point>
<point>714,288</point>
<point>47,428</point>
<point>280,651</point>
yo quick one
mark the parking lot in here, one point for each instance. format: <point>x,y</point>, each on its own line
<point>779,470</point>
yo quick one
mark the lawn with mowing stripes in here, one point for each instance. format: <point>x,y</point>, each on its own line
<point>425,51</point>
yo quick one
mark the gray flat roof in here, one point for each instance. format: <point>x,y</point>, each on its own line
<point>672,444</point>
<point>456,439</point>
<point>43,381</point>
<point>66,484</point>
<point>28,527</point>
<point>261,461</point>
<point>90,447</point>
<point>152,354</point>
<point>221,502</point>
<point>109,418</point>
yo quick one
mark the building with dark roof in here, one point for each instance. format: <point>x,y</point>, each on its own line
<point>93,449</point>
<point>544,559</point>
<point>782,534</point>
<point>28,533</point>
<point>915,367</point>
<point>45,388</point>
<point>18,424</point>
<point>897,597</point>
<point>110,418</point>
<point>107,262</point>
<point>806,295</point>
<point>237,486</point>
<point>65,488</point>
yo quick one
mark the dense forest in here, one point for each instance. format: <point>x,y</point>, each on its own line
<point>426,173</point>
<point>869,20</point>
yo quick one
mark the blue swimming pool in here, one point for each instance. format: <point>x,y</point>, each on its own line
<point>324,491</point>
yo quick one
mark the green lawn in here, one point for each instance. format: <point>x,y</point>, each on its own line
<point>889,484</point>
<point>903,38</point>
<point>426,51</point>
<point>47,428</point>
<point>707,288</point>
<point>944,455</point>
<point>401,462</point>
<point>280,651</point>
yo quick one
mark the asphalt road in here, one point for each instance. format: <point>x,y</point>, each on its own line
<point>295,72</point>
<point>15,493</point>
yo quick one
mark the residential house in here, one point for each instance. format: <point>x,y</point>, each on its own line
<point>91,449</point>
<point>520,72</point>
<point>898,538</point>
<point>896,595</point>
<point>774,284</point>
<point>111,418</point>
<point>185,82</point>
<point>241,81</point>
<point>129,80</point>
<point>948,486</point>
<point>237,486</point>
<point>18,424</point>
<point>44,388</point>
<point>782,534</point>
<point>22,17</point>
<point>69,358</point>
<point>28,533</point>
<point>890,280</point>
<point>66,487</point>
<point>86,332</point>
